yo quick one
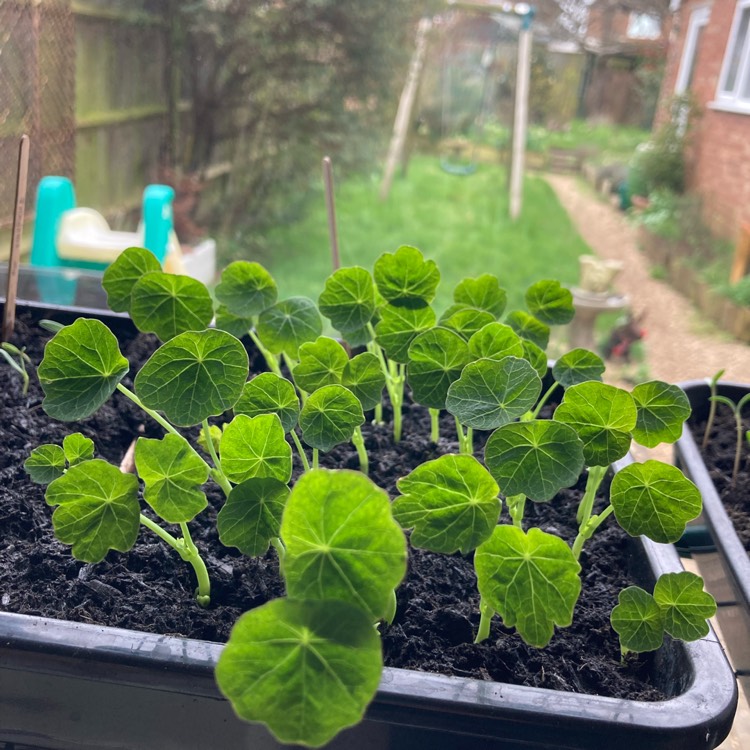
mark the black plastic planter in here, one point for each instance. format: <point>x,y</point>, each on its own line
<point>735,562</point>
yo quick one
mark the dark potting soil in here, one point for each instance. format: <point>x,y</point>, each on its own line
<point>151,589</point>
<point>719,459</point>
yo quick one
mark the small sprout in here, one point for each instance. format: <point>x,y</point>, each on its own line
<point>19,361</point>
<point>737,413</point>
<point>713,387</point>
<point>78,448</point>
<point>213,435</point>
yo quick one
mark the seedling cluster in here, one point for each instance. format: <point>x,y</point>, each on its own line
<point>313,658</point>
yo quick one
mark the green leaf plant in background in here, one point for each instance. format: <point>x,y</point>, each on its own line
<point>307,665</point>
<point>19,361</point>
<point>736,409</point>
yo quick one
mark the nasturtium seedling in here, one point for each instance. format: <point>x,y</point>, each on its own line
<point>173,473</point>
<point>577,366</point>
<point>321,363</point>
<point>483,292</point>
<point>122,274</point>
<point>654,499</point>
<point>495,341</point>
<point>196,375</point>
<point>268,393</point>
<point>97,509</point>
<point>45,464</point>
<point>468,321</point>
<point>251,516</point>
<point>528,327</point>
<point>536,357</point>
<point>603,416</point>
<point>348,299</point>
<point>238,327</point>
<point>530,579</point>
<point>491,393</point>
<point>661,411</point>
<point>436,359</point>
<point>679,606</point>
<point>550,303</point>
<point>398,326</point>
<point>306,669</point>
<point>167,304</point>
<point>405,278</point>
<point>77,448</point>
<point>330,416</point>
<point>364,377</point>
<point>255,447</point>
<point>81,369</point>
<point>342,542</point>
<point>246,289</point>
<point>536,459</point>
<point>451,503</point>
<point>288,324</point>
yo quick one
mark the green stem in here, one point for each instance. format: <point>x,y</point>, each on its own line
<point>435,425</point>
<point>588,529</point>
<point>154,415</point>
<point>359,443</point>
<point>271,361</point>
<point>216,472</point>
<point>187,550</point>
<point>300,450</point>
<point>516,507</point>
<point>394,383</point>
<point>738,447</point>
<point>315,453</point>
<point>485,618</point>
<point>465,440</point>
<point>278,545</point>
<point>390,613</point>
<point>379,413</point>
<point>543,400</point>
<point>709,424</point>
<point>593,482</point>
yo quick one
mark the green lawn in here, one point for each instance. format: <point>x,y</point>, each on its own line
<point>460,222</point>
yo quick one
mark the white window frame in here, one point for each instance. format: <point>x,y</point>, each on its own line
<point>732,101</point>
<point>698,21</point>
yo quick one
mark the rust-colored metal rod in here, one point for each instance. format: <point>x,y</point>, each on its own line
<point>331,208</point>
<point>9,313</point>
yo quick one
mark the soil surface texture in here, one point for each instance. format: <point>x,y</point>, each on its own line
<point>151,589</point>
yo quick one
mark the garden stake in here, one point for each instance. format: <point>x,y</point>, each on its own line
<point>9,314</point>
<point>331,208</point>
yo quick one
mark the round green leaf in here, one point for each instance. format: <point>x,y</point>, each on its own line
<point>661,411</point>
<point>685,604</point>
<point>238,327</point>
<point>451,310</point>
<point>321,363</point>
<point>398,326</point>
<point>491,393</point>
<point>194,376</point>
<point>167,304</point>
<point>436,359</point>
<point>358,337</point>
<point>451,503</point>
<point>270,394</point>
<point>98,509</point>
<point>172,472</point>
<point>364,377</point>
<point>255,447</point>
<point>330,416</point>
<point>251,516</point>
<point>305,669</point>
<point>536,458</point>
<point>81,368</point>
<point>550,302</point>
<point>45,463</point>
<point>121,275</point>
<point>638,620</point>
<point>604,418</point>
<point>654,499</point>
<point>78,448</point>
<point>468,321</point>
<point>536,357</point>
<point>289,324</point>
<point>348,299</point>
<point>405,278</point>
<point>577,366</point>
<point>531,580</point>
<point>341,541</point>
<point>483,292</point>
<point>495,341</point>
<point>246,289</point>
<point>528,327</point>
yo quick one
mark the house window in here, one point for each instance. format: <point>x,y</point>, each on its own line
<point>698,21</point>
<point>734,86</point>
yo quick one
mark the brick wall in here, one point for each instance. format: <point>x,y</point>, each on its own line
<point>718,159</point>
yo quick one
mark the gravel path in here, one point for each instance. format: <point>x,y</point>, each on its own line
<point>679,344</point>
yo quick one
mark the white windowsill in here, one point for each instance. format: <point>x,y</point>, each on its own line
<point>734,107</point>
